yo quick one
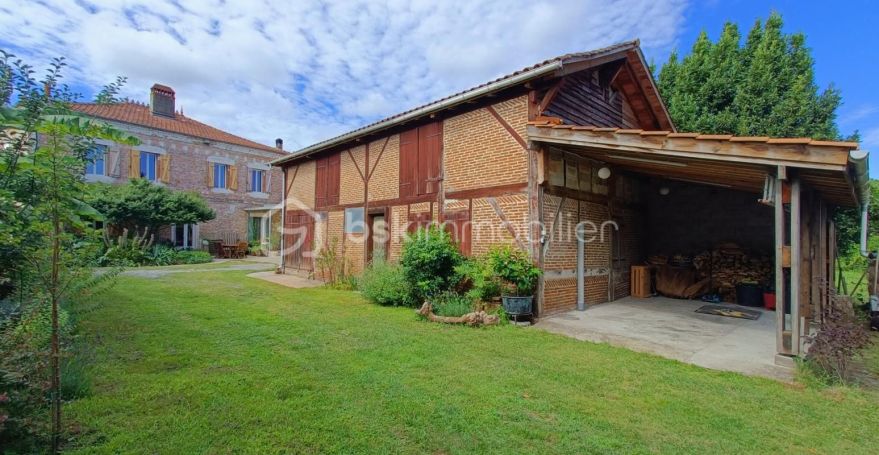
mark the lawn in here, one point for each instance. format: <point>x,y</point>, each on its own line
<point>216,362</point>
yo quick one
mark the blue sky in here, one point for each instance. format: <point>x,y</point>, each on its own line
<point>311,69</point>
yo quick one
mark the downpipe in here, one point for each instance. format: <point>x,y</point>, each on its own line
<point>581,265</point>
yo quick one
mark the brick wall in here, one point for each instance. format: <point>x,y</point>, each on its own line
<point>385,168</point>
<point>301,184</point>
<point>478,152</point>
<point>351,183</point>
<point>188,171</point>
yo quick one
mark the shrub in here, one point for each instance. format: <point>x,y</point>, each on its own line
<point>429,260</point>
<point>192,257</point>
<point>515,268</point>
<point>840,338</point>
<point>125,251</point>
<point>385,284</point>
<point>333,267</point>
<point>162,255</point>
<point>452,304</point>
<point>478,280</point>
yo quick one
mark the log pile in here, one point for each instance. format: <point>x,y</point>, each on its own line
<point>719,270</point>
<point>472,319</point>
<point>728,265</point>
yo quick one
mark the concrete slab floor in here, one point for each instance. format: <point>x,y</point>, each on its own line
<point>671,328</point>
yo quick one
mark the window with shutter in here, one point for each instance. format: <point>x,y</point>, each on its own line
<point>326,187</point>
<point>420,160</point>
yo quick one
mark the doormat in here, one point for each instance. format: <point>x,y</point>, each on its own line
<point>731,312</point>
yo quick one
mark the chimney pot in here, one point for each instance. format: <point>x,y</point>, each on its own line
<point>279,143</point>
<point>162,100</point>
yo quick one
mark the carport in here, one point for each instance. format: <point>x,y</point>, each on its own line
<point>781,191</point>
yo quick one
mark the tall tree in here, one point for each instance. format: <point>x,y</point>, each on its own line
<point>764,87</point>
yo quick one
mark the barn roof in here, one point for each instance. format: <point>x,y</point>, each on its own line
<point>835,169</point>
<point>557,66</point>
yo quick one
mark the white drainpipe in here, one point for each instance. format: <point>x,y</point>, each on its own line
<point>860,175</point>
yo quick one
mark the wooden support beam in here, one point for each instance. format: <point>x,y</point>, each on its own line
<point>779,269</point>
<point>796,263</point>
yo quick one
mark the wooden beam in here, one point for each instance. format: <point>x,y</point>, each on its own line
<point>779,269</point>
<point>796,263</point>
<point>550,95</point>
<point>509,226</point>
<point>507,127</point>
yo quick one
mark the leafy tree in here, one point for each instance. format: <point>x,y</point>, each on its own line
<point>765,87</point>
<point>110,93</point>
<point>43,221</point>
<point>140,204</point>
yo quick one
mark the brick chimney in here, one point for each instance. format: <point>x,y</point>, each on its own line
<point>162,100</point>
<point>279,143</point>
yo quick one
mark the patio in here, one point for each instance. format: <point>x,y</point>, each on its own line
<point>671,328</point>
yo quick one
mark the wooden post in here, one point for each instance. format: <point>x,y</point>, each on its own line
<point>796,263</point>
<point>779,266</point>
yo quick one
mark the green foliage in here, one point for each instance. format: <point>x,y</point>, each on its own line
<point>385,284</point>
<point>162,254</point>
<point>334,267</point>
<point>429,259</point>
<point>192,257</point>
<point>515,268</point>
<point>764,87</point>
<point>140,204</point>
<point>109,94</point>
<point>478,279</point>
<point>450,303</point>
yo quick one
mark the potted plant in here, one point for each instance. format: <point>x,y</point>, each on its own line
<point>519,275</point>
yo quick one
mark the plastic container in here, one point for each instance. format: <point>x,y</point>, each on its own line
<point>749,294</point>
<point>769,300</point>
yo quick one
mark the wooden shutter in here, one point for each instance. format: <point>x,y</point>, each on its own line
<point>320,183</point>
<point>165,168</point>
<point>232,178</point>
<point>430,143</point>
<point>458,225</point>
<point>334,169</point>
<point>408,162</point>
<point>111,166</point>
<point>134,164</point>
<point>210,175</point>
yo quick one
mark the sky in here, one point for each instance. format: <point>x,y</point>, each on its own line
<point>308,70</point>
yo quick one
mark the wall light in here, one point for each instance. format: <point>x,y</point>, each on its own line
<point>664,191</point>
<point>604,173</point>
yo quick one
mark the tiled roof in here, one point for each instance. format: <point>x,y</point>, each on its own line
<point>702,137</point>
<point>139,114</point>
<point>464,95</point>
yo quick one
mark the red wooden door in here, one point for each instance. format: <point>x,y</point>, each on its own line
<point>298,240</point>
<point>430,144</point>
<point>408,162</point>
<point>458,225</point>
<point>418,220</point>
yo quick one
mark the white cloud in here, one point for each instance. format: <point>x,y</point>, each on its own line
<point>308,70</point>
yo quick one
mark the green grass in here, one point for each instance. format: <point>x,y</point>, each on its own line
<point>215,362</point>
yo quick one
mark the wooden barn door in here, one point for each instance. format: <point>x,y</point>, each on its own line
<point>298,240</point>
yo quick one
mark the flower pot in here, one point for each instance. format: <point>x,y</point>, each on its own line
<point>516,305</point>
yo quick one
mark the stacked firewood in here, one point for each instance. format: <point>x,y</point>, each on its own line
<point>728,264</point>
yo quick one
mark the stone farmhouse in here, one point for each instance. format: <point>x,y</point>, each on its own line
<point>232,173</point>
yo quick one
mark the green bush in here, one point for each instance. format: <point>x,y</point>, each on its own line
<point>429,260</point>
<point>385,284</point>
<point>451,304</point>
<point>193,257</point>
<point>478,280</point>
<point>162,255</point>
<point>515,268</point>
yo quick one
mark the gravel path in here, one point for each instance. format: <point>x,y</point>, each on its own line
<point>157,273</point>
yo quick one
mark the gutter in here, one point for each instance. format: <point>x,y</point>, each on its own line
<point>425,110</point>
<point>858,161</point>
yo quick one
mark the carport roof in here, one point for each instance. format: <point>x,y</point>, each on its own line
<point>734,161</point>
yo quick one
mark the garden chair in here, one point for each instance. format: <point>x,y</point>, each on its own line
<point>241,251</point>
